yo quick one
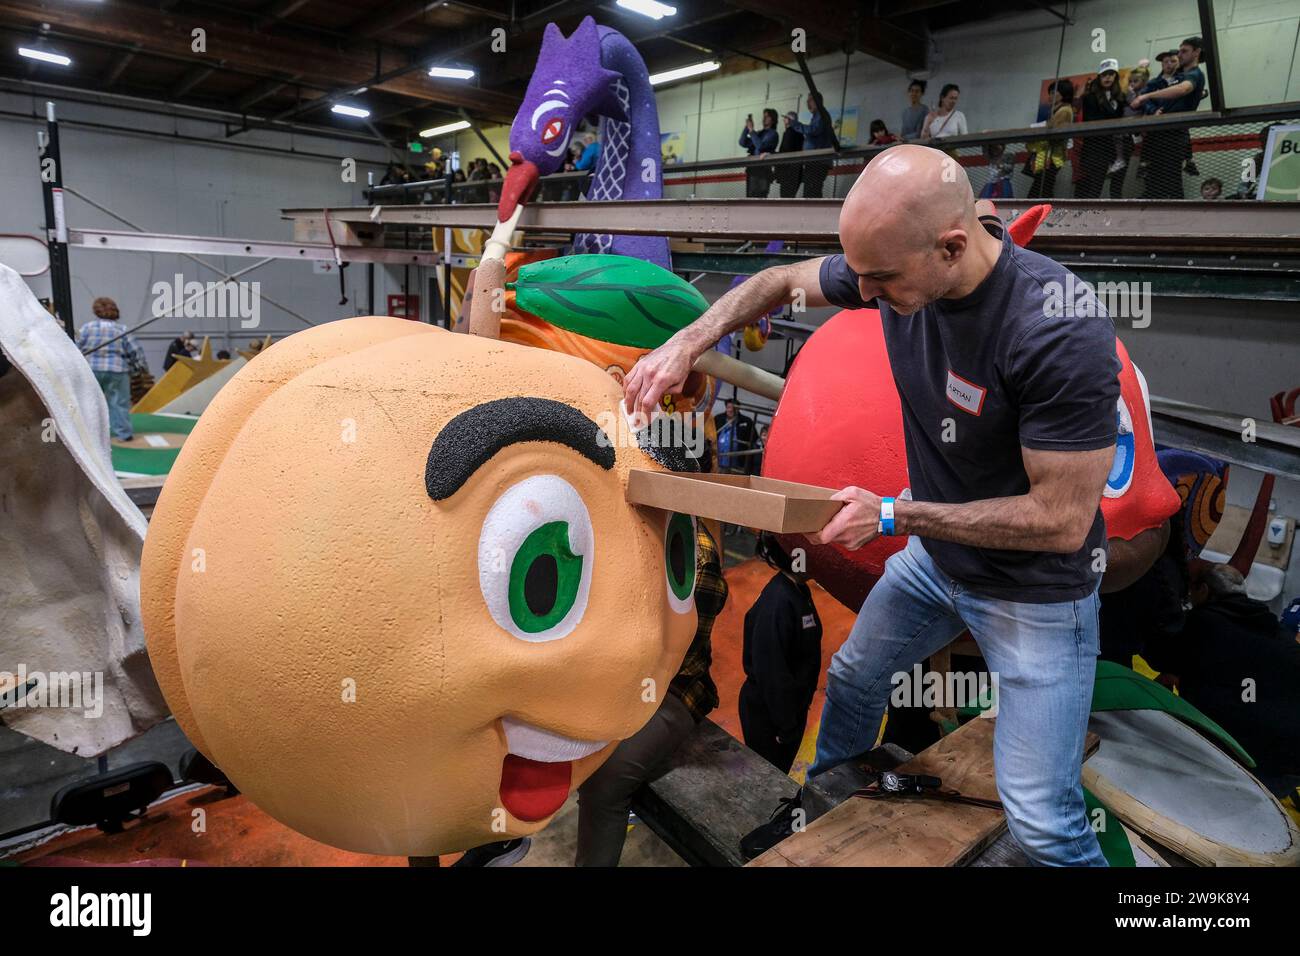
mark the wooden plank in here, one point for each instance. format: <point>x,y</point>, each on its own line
<point>911,831</point>
<point>715,791</point>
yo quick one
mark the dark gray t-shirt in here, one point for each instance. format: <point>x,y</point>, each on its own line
<point>980,376</point>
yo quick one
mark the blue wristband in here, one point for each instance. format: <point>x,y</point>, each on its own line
<point>886,516</point>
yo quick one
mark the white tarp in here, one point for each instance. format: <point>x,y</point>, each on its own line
<point>70,542</point>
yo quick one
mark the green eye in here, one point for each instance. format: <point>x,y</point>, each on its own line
<point>544,578</point>
<point>679,561</point>
<point>536,551</point>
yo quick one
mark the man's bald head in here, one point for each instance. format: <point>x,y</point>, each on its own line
<point>909,194</point>
<point>909,227</point>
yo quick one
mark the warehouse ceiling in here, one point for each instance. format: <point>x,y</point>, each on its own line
<point>287,63</point>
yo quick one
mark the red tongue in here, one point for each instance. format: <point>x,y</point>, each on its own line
<point>519,186</point>
<point>532,790</point>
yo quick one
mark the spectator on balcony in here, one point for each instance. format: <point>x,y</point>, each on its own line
<point>1001,166</point>
<point>789,175</point>
<point>818,133</point>
<point>945,120</point>
<point>395,173</point>
<point>880,134</point>
<point>1212,189</point>
<point>1045,108</point>
<point>1126,143</point>
<point>1046,157</point>
<point>1101,102</point>
<point>759,143</point>
<point>914,113</point>
<point>478,173</point>
<point>1166,150</point>
<point>590,152</point>
<point>1168,67</point>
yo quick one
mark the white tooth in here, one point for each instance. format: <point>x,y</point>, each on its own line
<point>533,743</point>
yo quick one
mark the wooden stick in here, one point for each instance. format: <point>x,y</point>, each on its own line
<point>488,301</point>
<point>488,298</point>
<point>735,372</point>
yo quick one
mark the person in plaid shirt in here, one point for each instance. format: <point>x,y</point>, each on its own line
<point>112,364</point>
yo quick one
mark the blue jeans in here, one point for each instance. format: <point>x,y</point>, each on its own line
<point>1044,656</point>
<point>117,392</point>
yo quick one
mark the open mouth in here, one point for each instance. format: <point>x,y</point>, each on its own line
<point>538,769</point>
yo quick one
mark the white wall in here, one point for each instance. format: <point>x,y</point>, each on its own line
<point>170,185</point>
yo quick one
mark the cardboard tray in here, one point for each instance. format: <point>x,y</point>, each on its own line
<point>784,507</point>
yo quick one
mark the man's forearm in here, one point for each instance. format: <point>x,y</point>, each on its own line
<point>740,306</point>
<point>1171,92</point>
<point>1020,523</point>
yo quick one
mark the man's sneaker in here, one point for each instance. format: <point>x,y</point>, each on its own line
<point>505,853</point>
<point>1117,165</point>
<point>782,824</point>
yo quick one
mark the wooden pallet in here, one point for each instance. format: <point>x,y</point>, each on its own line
<point>912,831</point>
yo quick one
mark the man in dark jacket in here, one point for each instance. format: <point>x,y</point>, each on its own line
<point>760,143</point>
<point>789,175</point>
<point>818,133</point>
<point>782,658</point>
<point>1232,662</point>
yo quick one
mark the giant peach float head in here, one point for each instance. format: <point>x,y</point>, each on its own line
<point>393,589</point>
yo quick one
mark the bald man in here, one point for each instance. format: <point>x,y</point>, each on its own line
<point>1009,418</point>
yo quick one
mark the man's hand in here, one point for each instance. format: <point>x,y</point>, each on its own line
<point>1138,101</point>
<point>854,525</point>
<point>656,374</point>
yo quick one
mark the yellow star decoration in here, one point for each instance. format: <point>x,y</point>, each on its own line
<point>184,374</point>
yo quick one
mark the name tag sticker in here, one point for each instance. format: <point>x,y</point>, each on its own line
<point>967,396</point>
<point>809,620</point>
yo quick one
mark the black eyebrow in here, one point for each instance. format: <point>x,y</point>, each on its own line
<point>475,435</point>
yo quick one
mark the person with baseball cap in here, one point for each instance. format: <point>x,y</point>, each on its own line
<point>1167,150</point>
<point>1101,101</point>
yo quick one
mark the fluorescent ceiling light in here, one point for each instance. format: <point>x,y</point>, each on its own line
<point>450,72</point>
<point>681,73</point>
<point>449,128</point>
<point>45,57</point>
<point>648,8</point>
<point>344,110</point>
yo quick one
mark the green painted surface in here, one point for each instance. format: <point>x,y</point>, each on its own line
<point>611,298</point>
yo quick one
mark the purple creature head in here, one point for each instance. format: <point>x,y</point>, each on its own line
<point>567,84</point>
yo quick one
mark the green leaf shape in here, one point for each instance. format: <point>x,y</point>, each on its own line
<point>615,299</point>
<point>1120,688</point>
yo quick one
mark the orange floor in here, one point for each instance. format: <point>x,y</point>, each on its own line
<point>238,834</point>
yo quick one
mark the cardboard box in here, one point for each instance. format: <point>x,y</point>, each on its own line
<point>785,507</point>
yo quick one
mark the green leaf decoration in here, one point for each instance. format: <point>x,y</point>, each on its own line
<point>615,299</point>
<point>1114,841</point>
<point>1120,688</point>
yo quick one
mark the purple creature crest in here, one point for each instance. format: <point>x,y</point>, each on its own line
<point>595,70</point>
